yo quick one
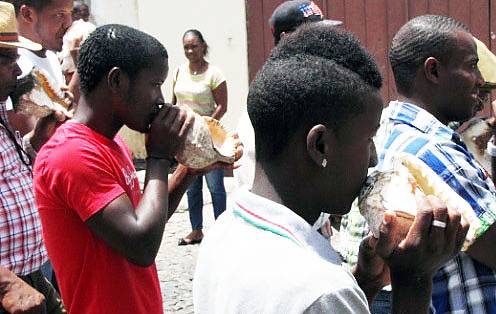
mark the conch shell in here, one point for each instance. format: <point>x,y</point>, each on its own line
<point>38,95</point>
<point>207,142</point>
<point>399,189</point>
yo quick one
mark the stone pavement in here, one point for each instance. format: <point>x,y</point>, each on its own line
<point>176,264</point>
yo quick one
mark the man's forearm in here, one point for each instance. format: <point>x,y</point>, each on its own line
<point>179,182</point>
<point>153,208</point>
<point>16,296</point>
<point>137,232</point>
<point>218,112</point>
<point>369,286</point>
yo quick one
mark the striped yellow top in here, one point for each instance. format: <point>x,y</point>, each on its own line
<point>195,91</point>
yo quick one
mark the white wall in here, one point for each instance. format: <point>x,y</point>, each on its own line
<point>222,22</point>
<point>115,11</point>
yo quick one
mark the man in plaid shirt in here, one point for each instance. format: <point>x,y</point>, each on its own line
<point>434,61</point>
<point>22,251</point>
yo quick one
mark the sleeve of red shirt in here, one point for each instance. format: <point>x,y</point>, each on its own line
<point>81,177</point>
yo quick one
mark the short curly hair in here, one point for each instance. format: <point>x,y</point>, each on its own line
<point>420,38</point>
<point>115,45</point>
<point>327,41</point>
<point>298,92</point>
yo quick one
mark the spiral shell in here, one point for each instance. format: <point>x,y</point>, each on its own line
<point>399,189</point>
<point>43,98</point>
<point>207,142</point>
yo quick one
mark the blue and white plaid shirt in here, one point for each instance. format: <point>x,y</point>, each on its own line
<point>463,285</point>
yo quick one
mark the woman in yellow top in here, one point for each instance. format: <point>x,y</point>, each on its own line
<point>201,87</point>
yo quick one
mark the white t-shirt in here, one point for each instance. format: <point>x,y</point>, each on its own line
<point>260,257</point>
<point>194,92</point>
<point>50,64</point>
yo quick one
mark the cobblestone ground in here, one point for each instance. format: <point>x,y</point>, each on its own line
<point>176,264</point>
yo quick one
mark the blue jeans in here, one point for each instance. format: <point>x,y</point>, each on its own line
<point>382,303</point>
<point>215,183</point>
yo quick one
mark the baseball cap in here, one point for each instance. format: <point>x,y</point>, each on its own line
<point>291,14</point>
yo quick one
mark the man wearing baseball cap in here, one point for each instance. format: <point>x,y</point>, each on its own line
<point>22,251</point>
<point>285,19</point>
<point>291,14</point>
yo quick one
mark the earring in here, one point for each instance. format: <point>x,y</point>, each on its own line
<point>324,163</point>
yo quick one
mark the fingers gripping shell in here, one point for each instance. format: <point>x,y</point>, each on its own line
<point>398,190</point>
<point>207,142</point>
<point>43,98</point>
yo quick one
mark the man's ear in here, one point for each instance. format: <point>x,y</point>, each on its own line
<point>27,14</point>
<point>431,69</point>
<point>117,81</point>
<point>317,144</point>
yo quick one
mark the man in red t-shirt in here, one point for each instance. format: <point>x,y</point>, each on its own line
<point>102,235</point>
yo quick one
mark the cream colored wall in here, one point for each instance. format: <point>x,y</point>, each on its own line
<point>115,11</point>
<point>222,22</point>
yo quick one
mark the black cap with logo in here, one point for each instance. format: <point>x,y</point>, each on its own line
<point>291,14</point>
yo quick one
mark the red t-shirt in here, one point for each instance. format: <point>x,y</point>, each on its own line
<point>77,173</point>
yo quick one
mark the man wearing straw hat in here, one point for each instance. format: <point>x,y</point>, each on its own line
<point>22,251</point>
<point>487,67</point>
<point>478,130</point>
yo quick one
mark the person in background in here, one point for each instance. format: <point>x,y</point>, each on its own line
<point>285,19</point>
<point>22,249</point>
<point>201,87</point>
<point>486,147</point>
<point>75,35</point>
<point>44,22</point>
<point>80,11</point>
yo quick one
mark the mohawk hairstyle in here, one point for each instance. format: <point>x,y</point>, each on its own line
<point>327,41</point>
<point>297,92</point>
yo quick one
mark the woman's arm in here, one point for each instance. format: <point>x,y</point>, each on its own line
<point>174,82</point>
<point>220,97</point>
<point>174,99</point>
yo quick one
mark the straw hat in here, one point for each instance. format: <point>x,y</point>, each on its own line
<point>487,63</point>
<point>9,37</point>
